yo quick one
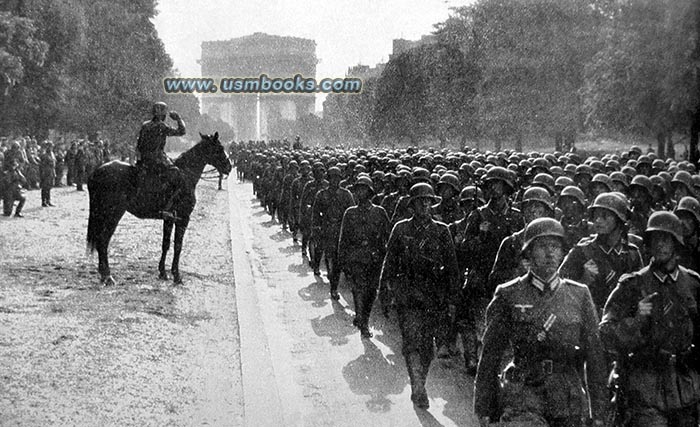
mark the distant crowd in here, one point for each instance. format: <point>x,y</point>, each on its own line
<point>28,164</point>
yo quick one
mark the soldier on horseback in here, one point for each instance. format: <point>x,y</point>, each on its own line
<point>152,158</point>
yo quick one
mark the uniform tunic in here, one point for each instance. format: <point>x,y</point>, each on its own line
<point>545,376</point>
<point>151,142</point>
<point>612,263</point>
<point>420,269</point>
<point>660,366</point>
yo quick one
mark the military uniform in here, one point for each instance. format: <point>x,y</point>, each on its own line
<point>327,215</point>
<point>308,196</point>
<point>659,352</point>
<point>361,249</point>
<point>479,249</point>
<point>509,262</point>
<point>574,231</point>
<point>151,141</point>
<point>47,174</point>
<point>551,327</point>
<point>420,270</point>
<point>448,211</point>
<point>295,201</point>
<point>612,263</point>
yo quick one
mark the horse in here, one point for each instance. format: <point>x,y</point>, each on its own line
<point>113,191</point>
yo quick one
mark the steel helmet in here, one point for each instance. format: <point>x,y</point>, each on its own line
<point>545,181</point>
<point>421,174</point>
<point>563,181</point>
<point>597,166</point>
<point>575,193</point>
<point>643,160</point>
<point>498,173</point>
<point>691,206</point>
<point>614,202</point>
<point>683,177</point>
<point>643,182</point>
<point>666,222</point>
<point>537,194</point>
<point>160,109</point>
<point>451,180</point>
<point>619,177</point>
<point>334,172</point>
<point>362,181</point>
<point>584,170</point>
<point>602,179</point>
<point>471,193</point>
<point>421,190</point>
<point>542,227</point>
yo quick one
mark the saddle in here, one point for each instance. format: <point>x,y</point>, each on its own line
<point>157,187</point>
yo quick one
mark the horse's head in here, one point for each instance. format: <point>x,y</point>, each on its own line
<point>215,154</point>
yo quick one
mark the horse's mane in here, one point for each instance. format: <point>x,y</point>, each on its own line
<point>193,153</point>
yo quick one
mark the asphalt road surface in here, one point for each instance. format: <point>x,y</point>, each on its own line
<point>303,363</point>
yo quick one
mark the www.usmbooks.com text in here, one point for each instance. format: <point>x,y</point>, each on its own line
<point>262,84</point>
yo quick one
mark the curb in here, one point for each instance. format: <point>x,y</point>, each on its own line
<point>261,399</point>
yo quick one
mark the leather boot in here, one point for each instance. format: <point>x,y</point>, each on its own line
<point>417,375</point>
<point>471,352</point>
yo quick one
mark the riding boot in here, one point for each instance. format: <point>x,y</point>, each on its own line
<point>167,212</point>
<point>417,375</point>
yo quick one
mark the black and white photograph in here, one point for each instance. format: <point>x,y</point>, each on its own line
<point>390,213</point>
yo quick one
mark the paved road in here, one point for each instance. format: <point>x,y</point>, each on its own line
<point>303,362</point>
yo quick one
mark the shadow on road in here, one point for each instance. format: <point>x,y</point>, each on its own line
<point>376,376</point>
<point>337,326</point>
<point>317,292</point>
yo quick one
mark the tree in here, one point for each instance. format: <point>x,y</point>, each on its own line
<point>643,80</point>
<point>532,56</point>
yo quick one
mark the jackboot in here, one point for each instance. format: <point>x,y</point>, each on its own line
<point>417,375</point>
<point>471,351</point>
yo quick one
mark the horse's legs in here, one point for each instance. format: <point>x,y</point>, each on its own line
<point>180,229</point>
<point>102,246</point>
<point>167,231</point>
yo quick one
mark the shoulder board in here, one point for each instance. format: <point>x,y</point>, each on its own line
<point>573,283</point>
<point>631,276</point>
<point>510,283</point>
<point>586,240</point>
<point>439,223</point>
<point>692,273</point>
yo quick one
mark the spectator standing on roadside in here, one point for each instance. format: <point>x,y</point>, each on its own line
<point>47,173</point>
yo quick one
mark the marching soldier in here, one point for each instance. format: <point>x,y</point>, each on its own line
<point>285,193</point>
<point>599,260</point>
<point>551,326</point>
<point>651,324</point>
<point>308,196</point>
<point>509,262</point>
<point>448,211</point>
<point>688,211</point>
<point>486,228</point>
<point>420,273</point>
<point>572,203</point>
<point>327,215</point>
<point>295,199</point>
<point>361,249</point>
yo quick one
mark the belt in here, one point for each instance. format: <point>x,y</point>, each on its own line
<point>663,358</point>
<point>535,372</point>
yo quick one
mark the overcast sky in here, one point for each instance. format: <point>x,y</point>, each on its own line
<point>346,32</point>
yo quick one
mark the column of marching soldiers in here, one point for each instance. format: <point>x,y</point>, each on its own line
<point>571,281</point>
